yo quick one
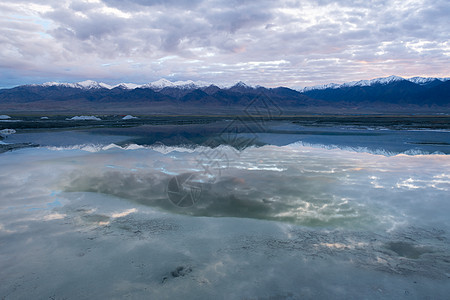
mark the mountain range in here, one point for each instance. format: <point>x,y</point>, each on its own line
<point>382,95</point>
<point>156,85</point>
<point>376,81</point>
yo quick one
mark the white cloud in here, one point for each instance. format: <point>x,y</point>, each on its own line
<point>222,41</point>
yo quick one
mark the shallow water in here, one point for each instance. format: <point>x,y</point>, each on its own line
<point>280,221</point>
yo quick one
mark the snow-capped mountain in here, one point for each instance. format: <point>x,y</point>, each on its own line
<point>90,84</point>
<point>242,84</point>
<point>425,80</point>
<point>159,84</point>
<point>390,94</point>
<point>163,83</point>
<point>156,85</point>
<point>189,84</point>
<point>87,84</point>
<point>381,81</point>
<point>127,86</point>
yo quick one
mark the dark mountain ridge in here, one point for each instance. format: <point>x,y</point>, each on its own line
<point>379,96</point>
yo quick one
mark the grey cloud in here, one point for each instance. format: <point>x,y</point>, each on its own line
<point>95,25</point>
<point>136,5</point>
<point>356,35</point>
<point>353,3</point>
<point>171,29</point>
<point>83,6</point>
<point>233,20</point>
<point>216,40</point>
<point>18,26</point>
<point>438,12</point>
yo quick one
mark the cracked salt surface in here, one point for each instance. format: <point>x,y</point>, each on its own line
<point>325,224</point>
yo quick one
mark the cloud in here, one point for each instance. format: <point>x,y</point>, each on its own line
<point>137,5</point>
<point>136,40</point>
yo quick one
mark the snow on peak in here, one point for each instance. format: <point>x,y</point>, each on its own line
<point>383,80</point>
<point>127,86</point>
<point>87,84</point>
<point>90,84</point>
<point>163,83</point>
<point>156,85</point>
<point>321,87</point>
<point>241,84</point>
<point>386,80</point>
<point>425,80</point>
<point>356,83</point>
<point>53,83</point>
<point>160,84</point>
<point>421,80</point>
<point>189,84</point>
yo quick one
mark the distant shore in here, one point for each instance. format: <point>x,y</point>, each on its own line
<point>55,120</point>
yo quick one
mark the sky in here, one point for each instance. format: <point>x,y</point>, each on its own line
<point>270,43</point>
